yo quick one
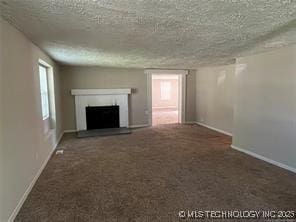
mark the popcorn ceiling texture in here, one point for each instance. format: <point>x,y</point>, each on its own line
<point>154,33</point>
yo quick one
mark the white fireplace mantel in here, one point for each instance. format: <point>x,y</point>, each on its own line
<point>76,92</point>
<point>100,97</point>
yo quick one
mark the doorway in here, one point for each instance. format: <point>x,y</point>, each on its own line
<point>165,112</point>
<point>165,99</point>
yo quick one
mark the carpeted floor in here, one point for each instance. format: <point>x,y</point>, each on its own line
<point>151,175</point>
<point>164,116</point>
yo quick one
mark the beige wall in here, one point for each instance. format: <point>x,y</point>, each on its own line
<point>157,102</point>
<point>24,147</point>
<point>255,100</point>
<point>191,96</point>
<point>214,96</point>
<point>78,77</point>
<point>265,105</point>
<point>75,77</point>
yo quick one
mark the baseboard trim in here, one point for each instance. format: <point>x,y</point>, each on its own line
<point>139,126</point>
<point>28,190</point>
<point>189,122</point>
<point>59,140</point>
<point>213,128</point>
<point>70,131</point>
<point>273,162</point>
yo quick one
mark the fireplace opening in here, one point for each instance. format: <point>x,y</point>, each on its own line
<point>101,117</point>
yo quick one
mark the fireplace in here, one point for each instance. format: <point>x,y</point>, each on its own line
<point>101,117</point>
<point>100,97</point>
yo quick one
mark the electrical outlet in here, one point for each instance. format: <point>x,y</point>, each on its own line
<point>59,152</point>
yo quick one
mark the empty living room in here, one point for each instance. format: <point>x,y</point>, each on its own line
<point>147,110</point>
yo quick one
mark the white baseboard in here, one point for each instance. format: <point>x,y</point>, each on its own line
<point>25,195</point>
<point>213,128</point>
<point>284,166</point>
<point>189,122</point>
<point>70,131</point>
<point>59,140</point>
<point>139,126</point>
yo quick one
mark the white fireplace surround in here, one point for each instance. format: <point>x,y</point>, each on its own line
<point>100,97</point>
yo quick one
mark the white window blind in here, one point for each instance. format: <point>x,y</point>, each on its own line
<point>44,91</point>
<point>165,90</point>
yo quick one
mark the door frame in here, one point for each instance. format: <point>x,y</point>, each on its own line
<point>182,90</point>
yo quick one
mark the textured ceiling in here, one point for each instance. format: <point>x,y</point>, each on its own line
<point>153,33</point>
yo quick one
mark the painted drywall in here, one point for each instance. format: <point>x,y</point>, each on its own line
<point>265,105</point>
<point>84,77</point>
<point>24,146</point>
<point>75,77</point>
<point>191,96</point>
<point>214,96</point>
<point>1,120</point>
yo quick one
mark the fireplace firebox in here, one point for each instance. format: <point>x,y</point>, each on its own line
<point>101,117</point>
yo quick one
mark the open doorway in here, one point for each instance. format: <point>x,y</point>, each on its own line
<point>165,112</point>
<point>165,99</point>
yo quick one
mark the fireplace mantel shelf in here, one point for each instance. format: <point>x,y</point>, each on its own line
<point>81,92</point>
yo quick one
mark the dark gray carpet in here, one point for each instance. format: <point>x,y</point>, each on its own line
<point>152,174</point>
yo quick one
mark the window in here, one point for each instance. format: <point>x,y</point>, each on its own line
<point>44,91</point>
<point>165,90</point>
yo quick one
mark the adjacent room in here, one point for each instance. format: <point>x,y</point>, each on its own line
<point>160,110</point>
<point>165,99</point>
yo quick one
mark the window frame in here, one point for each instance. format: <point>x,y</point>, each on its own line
<point>165,90</point>
<point>47,91</point>
<point>44,118</point>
